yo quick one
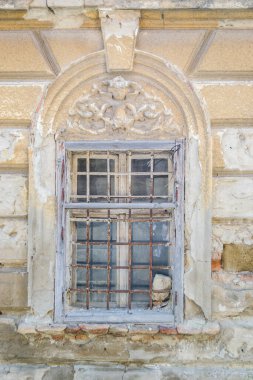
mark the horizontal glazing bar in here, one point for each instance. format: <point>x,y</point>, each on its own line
<point>121,196</point>
<point>103,205</point>
<point>78,290</point>
<point>165,173</point>
<point>137,243</point>
<point>139,267</point>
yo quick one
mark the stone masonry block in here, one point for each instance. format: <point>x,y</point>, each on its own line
<point>13,147</point>
<point>233,197</point>
<point>13,241</point>
<point>230,51</point>
<point>167,43</point>
<point>230,233</point>
<point>228,101</point>
<point>77,44</point>
<point>19,102</point>
<point>237,257</point>
<point>233,148</point>
<point>13,290</point>
<point>20,54</point>
<point>13,194</point>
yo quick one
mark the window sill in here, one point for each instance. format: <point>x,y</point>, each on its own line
<point>60,331</point>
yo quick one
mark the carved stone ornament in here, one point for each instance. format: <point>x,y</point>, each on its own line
<point>119,105</point>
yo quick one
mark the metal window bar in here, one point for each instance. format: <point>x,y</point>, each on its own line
<point>88,261</point>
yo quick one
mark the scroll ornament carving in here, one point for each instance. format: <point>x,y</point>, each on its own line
<point>119,105</point>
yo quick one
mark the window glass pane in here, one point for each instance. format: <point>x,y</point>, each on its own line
<point>140,231</point>
<point>161,257</point>
<point>140,185</point>
<point>81,165</point>
<point>98,278</point>
<point>161,231</point>
<point>141,165</point>
<point>140,278</point>
<point>81,231</point>
<point>99,255</point>
<point>100,165</point>
<point>160,185</point>
<point>99,230</point>
<point>81,277</point>
<point>160,165</point>
<point>81,185</point>
<point>98,185</point>
<point>140,255</point>
<point>81,254</point>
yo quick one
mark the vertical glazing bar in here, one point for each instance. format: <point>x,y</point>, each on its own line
<point>88,260</point>
<point>129,158</point>
<point>129,259</point>
<point>88,176</point>
<point>108,260</point>
<point>108,177</point>
<point>151,231</point>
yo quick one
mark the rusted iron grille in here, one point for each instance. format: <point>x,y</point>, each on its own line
<point>113,266</point>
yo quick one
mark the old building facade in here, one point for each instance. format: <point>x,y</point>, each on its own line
<point>126,178</point>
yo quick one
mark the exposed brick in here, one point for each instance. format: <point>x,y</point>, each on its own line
<point>216,265</point>
<point>167,330</point>
<point>72,329</point>
<point>95,329</point>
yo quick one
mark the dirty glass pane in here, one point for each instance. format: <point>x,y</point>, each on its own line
<point>100,165</point>
<point>81,165</point>
<point>160,165</point>
<point>160,185</point>
<point>140,231</point>
<point>160,256</point>
<point>161,231</point>
<point>81,231</point>
<point>140,185</point>
<point>140,165</point>
<point>81,185</point>
<point>140,255</point>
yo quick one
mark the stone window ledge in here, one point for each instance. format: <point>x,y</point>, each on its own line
<point>58,331</point>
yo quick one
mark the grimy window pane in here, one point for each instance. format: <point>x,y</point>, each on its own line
<point>140,185</point>
<point>81,166</point>
<point>160,165</point>
<point>100,165</point>
<point>141,165</point>
<point>81,185</point>
<point>140,231</point>
<point>160,185</point>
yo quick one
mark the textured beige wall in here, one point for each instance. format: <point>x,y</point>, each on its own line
<point>219,65</point>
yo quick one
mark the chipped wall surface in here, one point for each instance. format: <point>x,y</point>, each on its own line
<point>201,69</point>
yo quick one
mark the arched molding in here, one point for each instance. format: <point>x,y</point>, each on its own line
<point>176,92</point>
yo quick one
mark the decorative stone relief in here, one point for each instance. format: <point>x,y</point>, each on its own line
<point>119,105</point>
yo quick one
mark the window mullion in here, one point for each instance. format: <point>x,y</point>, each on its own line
<point>122,237</point>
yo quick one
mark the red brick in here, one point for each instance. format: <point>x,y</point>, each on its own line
<point>167,330</point>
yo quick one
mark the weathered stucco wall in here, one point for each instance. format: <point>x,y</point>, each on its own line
<point>218,63</point>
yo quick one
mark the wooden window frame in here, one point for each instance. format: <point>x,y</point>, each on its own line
<point>62,313</point>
